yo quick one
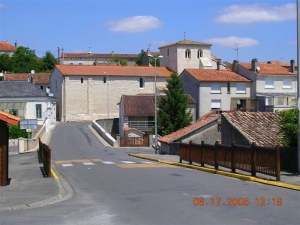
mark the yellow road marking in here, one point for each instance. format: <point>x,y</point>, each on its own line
<point>76,160</point>
<point>54,174</point>
<point>127,166</point>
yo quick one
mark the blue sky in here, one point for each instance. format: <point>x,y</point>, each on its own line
<point>266,30</point>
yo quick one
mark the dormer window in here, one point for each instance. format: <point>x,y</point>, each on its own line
<point>187,53</point>
<point>200,53</point>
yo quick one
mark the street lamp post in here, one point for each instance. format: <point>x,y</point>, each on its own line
<point>155,101</point>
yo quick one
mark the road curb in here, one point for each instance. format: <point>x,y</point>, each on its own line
<point>223,173</point>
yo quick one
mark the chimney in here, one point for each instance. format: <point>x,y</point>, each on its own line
<point>16,44</point>
<point>254,64</point>
<point>293,66</point>
<point>235,66</point>
<point>218,65</point>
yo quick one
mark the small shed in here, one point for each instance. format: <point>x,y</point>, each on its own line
<point>5,119</point>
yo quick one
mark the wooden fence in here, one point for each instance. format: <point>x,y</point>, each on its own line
<point>134,141</point>
<point>252,159</point>
<point>45,157</point>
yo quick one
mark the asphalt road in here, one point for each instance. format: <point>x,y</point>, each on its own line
<point>110,187</point>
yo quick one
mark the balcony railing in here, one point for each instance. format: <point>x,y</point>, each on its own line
<point>141,125</point>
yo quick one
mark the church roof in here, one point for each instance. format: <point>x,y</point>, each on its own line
<point>187,42</point>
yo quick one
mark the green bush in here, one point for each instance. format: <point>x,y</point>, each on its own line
<point>15,132</point>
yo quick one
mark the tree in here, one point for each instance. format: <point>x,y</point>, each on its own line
<point>24,60</point>
<point>139,60</point>
<point>288,125</point>
<point>173,114</point>
<point>122,62</point>
<point>5,63</point>
<point>48,62</point>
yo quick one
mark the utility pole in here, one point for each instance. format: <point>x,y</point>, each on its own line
<point>298,85</point>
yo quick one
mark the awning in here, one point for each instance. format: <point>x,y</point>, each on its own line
<point>12,105</point>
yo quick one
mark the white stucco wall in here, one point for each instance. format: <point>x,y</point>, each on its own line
<point>205,96</point>
<point>278,84</point>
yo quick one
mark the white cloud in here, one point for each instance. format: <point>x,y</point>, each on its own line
<point>233,42</point>
<point>134,24</point>
<point>257,13</point>
<point>291,42</point>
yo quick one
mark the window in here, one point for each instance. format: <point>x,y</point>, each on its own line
<point>215,88</point>
<point>269,83</point>
<point>38,111</point>
<point>141,83</point>
<point>42,87</point>
<point>269,101</point>
<point>228,87</point>
<point>104,80</point>
<point>187,53</point>
<point>240,88</point>
<point>81,80</point>
<point>286,83</point>
<point>200,53</point>
<point>216,104</point>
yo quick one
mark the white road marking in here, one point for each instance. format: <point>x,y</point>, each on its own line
<point>88,163</point>
<point>148,162</point>
<point>108,162</point>
<point>66,165</point>
<point>128,162</point>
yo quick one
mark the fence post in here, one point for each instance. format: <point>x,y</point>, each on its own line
<point>277,163</point>
<point>201,152</point>
<point>233,149</point>
<point>190,152</point>
<point>253,159</point>
<point>215,154</point>
<point>180,160</point>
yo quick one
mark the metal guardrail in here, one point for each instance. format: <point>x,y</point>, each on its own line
<point>141,125</point>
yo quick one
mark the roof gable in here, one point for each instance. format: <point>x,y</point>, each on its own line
<point>210,75</point>
<point>258,127</point>
<point>6,117</point>
<point>125,71</point>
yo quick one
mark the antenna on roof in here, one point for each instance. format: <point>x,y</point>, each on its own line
<point>183,35</point>
<point>237,50</point>
<point>90,50</point>
<point>149,46</point>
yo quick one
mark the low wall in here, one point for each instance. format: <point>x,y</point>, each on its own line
<point>106,136</point>
<point>30,145</point>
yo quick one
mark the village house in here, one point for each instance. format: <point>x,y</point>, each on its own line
<point>216,89</point>
<point>94,92</point>
<point>274,85</point>
<point>137,112</point>
<point>7,48</point>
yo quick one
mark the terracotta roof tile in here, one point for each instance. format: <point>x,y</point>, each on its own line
<point>269,69</point>
<point>5,46</point>
<point>258,127</point>
<point>90,55</point>
<point>38,78</point>
<point>210,75</point>
<point>212,116</point>
<point>127,71</point>
<point>14,120</point>
<point>187,42</point>
<point>127,129</point>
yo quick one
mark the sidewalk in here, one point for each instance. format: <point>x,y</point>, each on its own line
<point>287,180</point>
<point>28,188</point>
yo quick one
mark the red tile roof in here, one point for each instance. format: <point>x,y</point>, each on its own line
<point>210,75</point>
<point>38,78</point>
<point>210,117</point>
<point>127,129</point>
<point>143,104</point>
<point>258,127</point>
<point>5,46</point>
<point>187,42</point>
<point>90,55</point>
<point>6,117</point>
<point>127,71</point>
<point>269,69</point>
